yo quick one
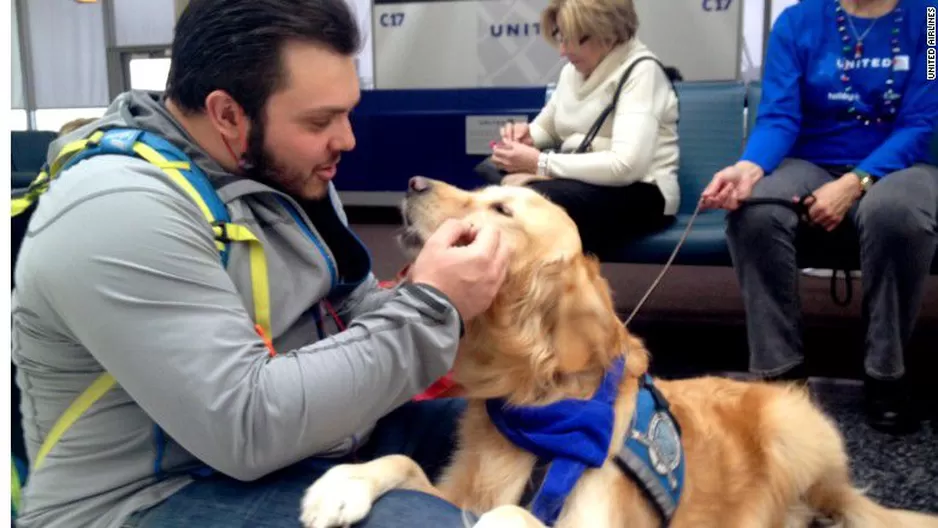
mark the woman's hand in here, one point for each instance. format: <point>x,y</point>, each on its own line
<point>515,157</point>
<point>517,133</point>
<point>832,201</point>
<point>730,186</point>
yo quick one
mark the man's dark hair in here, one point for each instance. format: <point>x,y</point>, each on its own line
<point>236,45</point>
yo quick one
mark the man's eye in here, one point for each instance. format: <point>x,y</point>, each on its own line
<point>318,125</point>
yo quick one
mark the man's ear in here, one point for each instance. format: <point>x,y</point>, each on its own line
<point>588,330</point>
<point>229,119</point>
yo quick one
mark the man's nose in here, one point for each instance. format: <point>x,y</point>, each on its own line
<point>344,141</point>
<point>418,185</point>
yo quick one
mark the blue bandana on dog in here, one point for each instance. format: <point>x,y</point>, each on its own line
<point>573,434</point>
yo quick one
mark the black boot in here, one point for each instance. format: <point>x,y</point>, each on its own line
<point>889,406</point>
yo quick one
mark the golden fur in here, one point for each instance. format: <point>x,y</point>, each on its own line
<point>757,454</point>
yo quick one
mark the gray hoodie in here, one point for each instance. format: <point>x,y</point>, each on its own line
<point>119,271</point>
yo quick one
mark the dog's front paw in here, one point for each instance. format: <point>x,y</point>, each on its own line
<point>509,516</point>
<point>338,498</point>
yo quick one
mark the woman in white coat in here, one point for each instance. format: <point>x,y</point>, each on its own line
<point>623,183</point>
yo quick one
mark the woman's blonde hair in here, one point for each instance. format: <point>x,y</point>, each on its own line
<point>612,21</point>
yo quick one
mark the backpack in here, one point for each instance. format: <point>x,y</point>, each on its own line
<point>193,182</point>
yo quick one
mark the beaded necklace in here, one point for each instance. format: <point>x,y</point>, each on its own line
<point>890,97</point>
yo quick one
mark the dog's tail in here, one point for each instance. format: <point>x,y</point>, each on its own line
<point>859,511</point>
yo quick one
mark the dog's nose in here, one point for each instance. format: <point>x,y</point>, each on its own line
<point>418,185</point>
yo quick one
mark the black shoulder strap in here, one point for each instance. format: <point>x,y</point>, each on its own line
<point>615,99</point>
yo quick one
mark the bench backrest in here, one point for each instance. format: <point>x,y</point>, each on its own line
<point>28,149</point>
<point>711,134</point>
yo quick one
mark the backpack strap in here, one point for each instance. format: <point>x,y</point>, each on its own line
<point>82,403</point>
<point>22,202</point>
<point>193,182</point>
<point>186,175</point>
<point>166,156</point>
<point>17,480</point>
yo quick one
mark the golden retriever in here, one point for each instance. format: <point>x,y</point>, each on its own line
<point>757,454</point>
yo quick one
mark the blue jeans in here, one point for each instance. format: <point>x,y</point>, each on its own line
<point>424,431</point>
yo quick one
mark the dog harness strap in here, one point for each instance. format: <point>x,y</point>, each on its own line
<point>652,454</point>
<point>632,464</point>
<point>534,484</point>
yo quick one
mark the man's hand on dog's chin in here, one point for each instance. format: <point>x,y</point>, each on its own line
<point>465,263</point>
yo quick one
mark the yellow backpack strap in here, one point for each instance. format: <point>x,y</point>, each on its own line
<point>16,488</point>
<point>224,232</point>
<point>19,204</point>
<point>93,393</point>
<point>260,289</point>
<point>40,185</point>
<point>71,149</point>
<point>172,169</point>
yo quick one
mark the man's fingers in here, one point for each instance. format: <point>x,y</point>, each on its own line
<point>486,242</point>
<point>500,262</point>
<point>450,232</point>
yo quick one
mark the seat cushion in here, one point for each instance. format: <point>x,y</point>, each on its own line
<point>705,245</point>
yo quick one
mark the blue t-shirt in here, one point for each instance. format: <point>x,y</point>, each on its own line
<point>820,103</point>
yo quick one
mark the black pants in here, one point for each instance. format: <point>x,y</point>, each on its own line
<point>606,215</point>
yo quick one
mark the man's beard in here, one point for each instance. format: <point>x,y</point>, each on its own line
<point>261,166</point>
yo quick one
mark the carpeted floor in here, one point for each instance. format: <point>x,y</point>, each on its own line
<point>900,472</point>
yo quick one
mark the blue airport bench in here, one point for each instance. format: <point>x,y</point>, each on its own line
<point>27,154</point>
<point>710,134</point>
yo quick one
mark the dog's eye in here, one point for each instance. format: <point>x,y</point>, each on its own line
<point>501,209</point>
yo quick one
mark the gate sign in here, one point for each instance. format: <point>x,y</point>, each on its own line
<point>478,43</point>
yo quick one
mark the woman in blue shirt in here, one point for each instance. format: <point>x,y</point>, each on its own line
<point>846,117</point>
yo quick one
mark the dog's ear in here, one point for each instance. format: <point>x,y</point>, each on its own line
<point>587,330</point>
<point>549,318</point>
